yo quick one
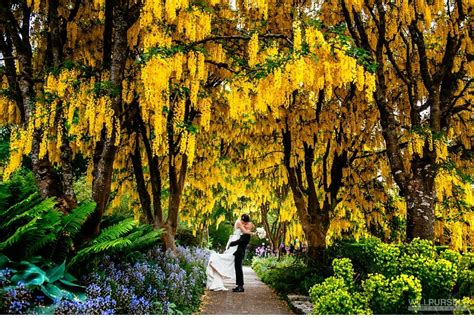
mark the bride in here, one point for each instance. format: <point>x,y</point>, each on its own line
<point>221,266</point>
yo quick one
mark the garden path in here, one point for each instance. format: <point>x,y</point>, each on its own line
<point>258,299</point>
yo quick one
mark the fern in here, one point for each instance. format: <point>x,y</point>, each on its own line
<point>35,226</point>
<point>19,233</point>
<point>35,211</point>
<point>72,222</point>
<point>37,245</point>
<point>27,203</point>
<point>124,237</point>
<point>114,231</point>
<point>146,240</point>
<point>115,245</point>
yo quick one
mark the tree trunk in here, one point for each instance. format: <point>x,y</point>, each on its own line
<point>421,200</point>
<point>316,236</point>
<point>143,194</point>
<point>105,150</point>
<point>176,190</point>
<point>101,183</point>
<point>48,181</point>
<point>313,219</point>
<point>169,236</point>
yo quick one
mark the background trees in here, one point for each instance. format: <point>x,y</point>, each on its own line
<point>423,53</point>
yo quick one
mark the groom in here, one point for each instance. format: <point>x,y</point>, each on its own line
<point>239,255</point>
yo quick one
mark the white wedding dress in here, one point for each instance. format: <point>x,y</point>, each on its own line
<point>221,266</point>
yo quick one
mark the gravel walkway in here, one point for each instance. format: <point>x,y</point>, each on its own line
<point>258,299</point>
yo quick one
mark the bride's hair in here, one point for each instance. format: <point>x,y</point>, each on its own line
<point>245,217</point>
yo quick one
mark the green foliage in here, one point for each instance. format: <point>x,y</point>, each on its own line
<point>185,237</point>
<point>464,306</point>
<point>386,259</point>
<point>341,302</point>
<point>20,185</point>
<point>34,226</point>
<point>287,275</point>
<point>343,269</point>
<point>394,277</point>
<point>43,276</point>
<point>220,235</point>
<point>121,236</point>
<point>465,281</point>
<point>82,190</point>
<point>4,143</point>
<point>380,295</point>
<point>335,294</point>
<point>392,295</point>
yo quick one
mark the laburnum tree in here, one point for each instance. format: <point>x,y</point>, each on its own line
<point>69,60</point>
<point>310,98</point>
<point>27,52</point>
<point>423,51</point>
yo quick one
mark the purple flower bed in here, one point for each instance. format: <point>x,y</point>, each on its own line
<point>17,300</point>
<point>157,283</point>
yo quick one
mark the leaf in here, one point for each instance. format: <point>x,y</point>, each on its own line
<point>69,277</point>
<point>115,231</point>
<point>4,261</point>
<point>52,291</point>
<point>19,233</point>
<point>73,221</point>
<point>56,273</point>
<point>69,283</point>
<point>32,276</point>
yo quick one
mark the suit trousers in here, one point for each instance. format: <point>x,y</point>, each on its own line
<point>239,274</point>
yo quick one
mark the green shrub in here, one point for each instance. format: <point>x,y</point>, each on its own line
<point>386,259</point>
<point>287,275</point>
<point>464,306</point>
<point>437,274</point>
<point>185,237</point>
<point>343,269</point>
<point>438,278</point>
<point>20,185</point>
<point>380,295</point>
<point>420,248</point>
<point>333,296</point>
<point>466,275</point>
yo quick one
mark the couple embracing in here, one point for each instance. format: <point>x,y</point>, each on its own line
<point>229,264</point>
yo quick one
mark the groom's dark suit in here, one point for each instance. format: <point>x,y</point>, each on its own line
<point>241,243</point>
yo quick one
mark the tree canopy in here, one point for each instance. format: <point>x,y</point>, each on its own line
<point>336,117</point>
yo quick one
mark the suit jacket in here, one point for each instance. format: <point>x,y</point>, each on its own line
<point>241,243</point>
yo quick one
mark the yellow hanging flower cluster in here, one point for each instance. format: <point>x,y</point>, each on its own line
<point>205,110</point>
<point>457,219</point>
<point>9,112</point>
<point>294,232</point>
<point>156,37</point>
<point>195,24</point>
<point>253,49</point>
<point>20,144</point>
<point>297,38</point>
<point>155,76</point>
<point>416,144</point>
<point>299,73</point>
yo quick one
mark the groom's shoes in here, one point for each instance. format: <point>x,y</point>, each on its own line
<point>238,289</point>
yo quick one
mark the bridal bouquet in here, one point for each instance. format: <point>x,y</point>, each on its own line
<point>261,232</point>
